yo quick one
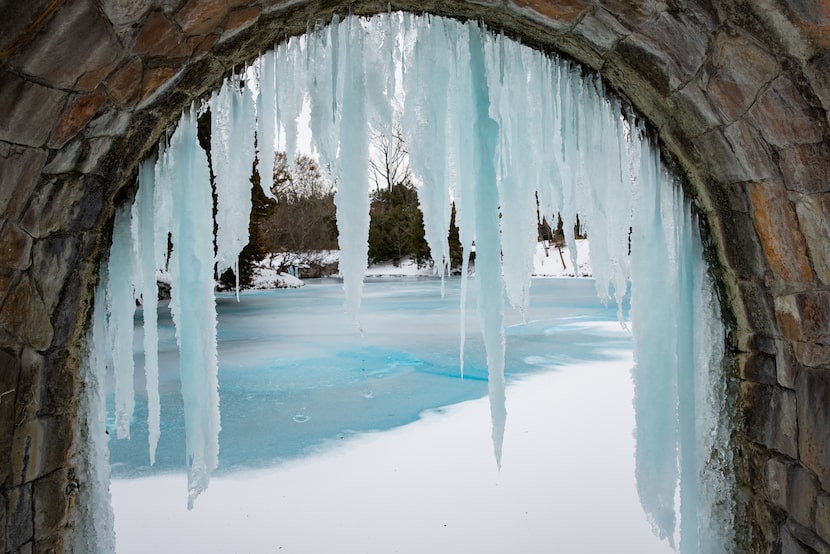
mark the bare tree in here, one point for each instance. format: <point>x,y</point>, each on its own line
<point>389,161</point>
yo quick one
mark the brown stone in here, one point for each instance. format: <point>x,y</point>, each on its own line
<point>758,368</point>
<point>160,37</point>
<point>784,117</point>
<point>240,19</point>
<point>812,17</point>
<point>20,169</point>
<point>805,316</point>
<point>40,447</point>
<point>813,392</point>
<point>124,85</point>
<point>29,110</point>
<point>155,81</point>
<point>806,167</point>
<point>15,247</point>
<point>200,17</point>
<point>770,417</point>
<point>24,319</point>
<point>19,21</point>
<point>633,14</point>
<point>30,386</point>
<point>781,238</point>
<point>202,44</point>
<point>739,67</point>
<point>564,11</point>
<point>786,364</point>
<point>51,502</point>
<point>75,48</point>
<point>76,115</point>
<point>801,496</point>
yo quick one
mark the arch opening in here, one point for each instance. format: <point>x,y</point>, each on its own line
<point>465,136</point>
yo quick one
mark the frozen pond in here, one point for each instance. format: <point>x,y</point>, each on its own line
<point>337,441</point>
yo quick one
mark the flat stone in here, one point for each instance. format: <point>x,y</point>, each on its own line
<point>20,518</point>
<point>75,48</point>
<point>813,18</point>
<point>30,387</point>
<point>55,203</point>
<point>20,169</point>
<point>560,12</point>
<point>806,167</point>
<point>112,123</point>
<point>17,22</point>
<point>823,516</point>
<point>784,117</point>
<point>124,86</point>
<point>241,19</point>
<point>786,364</point>
<point>15,247</point>
<point>738,68</point>
<point>160,37</point>
<point>805,316</point>
<point>40,447</point>
<point>77,114</point>
<point>155,81</point>
<point>813,392</point>
<point>53,259</point>
<point>3,521</point>
<point>758,368</point>
<point>776,480</point>
<point>633,14</point>
<point>801,496</point>
<point>24,319</point>
<point>201,17</point>
<point>9,373</point>
<point>790,545</point>
<point>51,504</point>
<point>97,150</point>
<point>770,417</point>
<point>65,159</point>
<point>699,114</point>
<point>123,12</point>
<point>781,238</point>
<point>29,110</point>
<point>601,29</point>
<point>751,156</point>
<point>682,41</point>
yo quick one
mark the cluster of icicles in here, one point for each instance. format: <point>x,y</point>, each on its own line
<point>490,125</point>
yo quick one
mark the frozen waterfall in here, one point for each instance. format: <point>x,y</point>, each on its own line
<point>495,128</point>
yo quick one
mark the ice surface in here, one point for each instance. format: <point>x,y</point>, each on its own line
<point>569,149</point>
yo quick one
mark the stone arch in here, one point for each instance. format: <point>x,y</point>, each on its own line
<point>738,92</point>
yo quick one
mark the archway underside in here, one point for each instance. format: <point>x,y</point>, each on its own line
<point>738,93</point>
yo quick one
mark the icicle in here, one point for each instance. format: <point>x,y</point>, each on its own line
<point>233,123</point>
<point>267,122</point>
<point>121,302</point>
<point>192,302</point>
<point>143,226</point>
<point>352,196</point>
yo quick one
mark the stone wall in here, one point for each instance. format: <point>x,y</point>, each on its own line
<point>738,91</point>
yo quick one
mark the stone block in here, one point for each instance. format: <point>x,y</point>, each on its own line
<point>16,21</point>
<point>40,447</point>
<point>813,213</point>
<point>9,375</point>
<point>804,316</point>
<point>683,41</point>
<point>559,13</point>
<point>633,14</point>
<point>789,544</point>
<point>769,417</point>
<point>124,86</point>
<point>24,319</point>
<point>65,159</point>
<point>201,17</point>
<point>52,260</point>
<point>699,115</point>
<point>784,117</point>
<point>96,152</point>
<point>111,123</point>
<point>56,206</point>
<point>802,491</point>
<point>806,167</point>
<point>739,66</point>
<point>155,81</point>
<point>813,392</point>
<point>777,227</point>
<point>51,504</point>
<point>19,517</point>
<point>776,482</point>
<point>758,368</point>
<point>600,29</point>
<point>241,19</point>
<point>93,54</point>
<point>823,517</point>
<point>159,37</point>
<point>15,247</point>
<point>786,365</point>
<point>20,169</point>
<point>748,154</point>
<point>29,110</point>
<point>29,386</point>
<point>79,111</point>
<point>124,12</point>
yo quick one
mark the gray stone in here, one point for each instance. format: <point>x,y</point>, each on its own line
<point>65,159</point>
<point>683,42</point>
<point>813,392</point>
<point>24,319</point>
<point>52,260</point>
<point>15,247</point>
<point>40,447</point>
<point>122,12</point>
<point>51,504</point>
<point>759,368</point>
<point>30,111</point>
<point>97,151</point>
<point>801,496</point>
<point>600,29</point>
<point>806,167</point>
<point>784,117</point>
<point>813,213</point>
<point>17,17</point>
<point>9,374</point>
<point>20,169</point>
<point>823,516</point>
<point>776,480</point>
<point>20,517</point>
<point>770,417</point>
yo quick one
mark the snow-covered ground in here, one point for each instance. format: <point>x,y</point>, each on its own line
<point>548,261</point>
